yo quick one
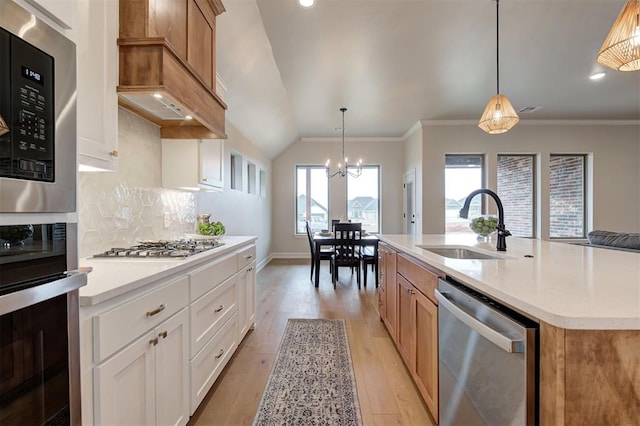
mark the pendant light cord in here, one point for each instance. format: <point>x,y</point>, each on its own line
<point>497,48</point>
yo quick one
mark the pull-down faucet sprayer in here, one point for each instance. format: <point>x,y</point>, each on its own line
<point>502,232</point>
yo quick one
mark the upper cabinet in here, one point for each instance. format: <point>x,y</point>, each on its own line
<point>167,69</point>
<point>193,164</point>
<point>96,35</point>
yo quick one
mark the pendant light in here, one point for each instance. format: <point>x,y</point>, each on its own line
<point>499,116</point>
<point>3,126</point>
<point>347,169</point>
<point>621,48</point>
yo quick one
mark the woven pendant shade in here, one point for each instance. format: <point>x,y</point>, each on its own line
<point>499,116</point>
<point>621,48</point>
<point>3,126</point>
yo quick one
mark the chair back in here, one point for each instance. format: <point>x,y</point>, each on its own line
<point>333,224</point>
<point>310,238</point>
<point>347,237</point>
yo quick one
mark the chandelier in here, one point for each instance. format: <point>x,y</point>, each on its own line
<point>499,116</point>
<point>353,171</point>
<point>621,48</point>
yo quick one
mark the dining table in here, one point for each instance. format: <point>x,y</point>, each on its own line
<point>328,239</point>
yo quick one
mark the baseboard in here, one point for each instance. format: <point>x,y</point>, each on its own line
<point>285,255</point>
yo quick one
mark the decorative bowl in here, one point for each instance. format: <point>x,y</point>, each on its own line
<point>484,225</point>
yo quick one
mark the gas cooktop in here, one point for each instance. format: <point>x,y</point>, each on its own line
<point>177,249</point>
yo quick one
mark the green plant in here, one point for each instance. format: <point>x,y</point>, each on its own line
<point>215,228</point>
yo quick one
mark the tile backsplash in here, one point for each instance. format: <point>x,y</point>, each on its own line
<point>117,209</point>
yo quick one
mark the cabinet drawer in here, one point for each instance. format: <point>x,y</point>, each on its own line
<point>207,365</point>
<point>211,311</point>
<point>425,280</point>
<point>115,328</point>
<point>246,256</point>
<point>206,278</point>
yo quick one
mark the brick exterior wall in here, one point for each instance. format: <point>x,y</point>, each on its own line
<point>566,196</point>
<point>515,189</point>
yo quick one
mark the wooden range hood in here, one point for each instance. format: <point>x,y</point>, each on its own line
<point>167,68</point>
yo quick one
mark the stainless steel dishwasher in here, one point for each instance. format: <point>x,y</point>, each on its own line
<point>487,360</point>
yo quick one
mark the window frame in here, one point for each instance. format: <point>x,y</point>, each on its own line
<point>368,166</point>
<point>483,182</point>
<point>585,195</point>
<point>308,168</point>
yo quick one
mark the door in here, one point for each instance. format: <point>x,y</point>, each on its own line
<point>409,202</point>
<point>172,370</point>
<point>125,386</point>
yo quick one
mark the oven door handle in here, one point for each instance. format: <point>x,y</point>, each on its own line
<point>500,340</point>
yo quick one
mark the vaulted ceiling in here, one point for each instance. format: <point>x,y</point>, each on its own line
<point>394,62</point>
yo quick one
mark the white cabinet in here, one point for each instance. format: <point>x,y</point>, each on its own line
<point>147,381</point>
<point>246,290</point>
<point>96,35</point>
<point>193,164</point>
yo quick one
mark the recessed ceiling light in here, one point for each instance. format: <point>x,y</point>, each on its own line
<point>188,117</point>
<point>157,95</point>
<point>307,3</point>
<point>597,75</point>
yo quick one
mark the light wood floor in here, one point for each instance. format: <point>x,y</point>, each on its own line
<point>386,392</point>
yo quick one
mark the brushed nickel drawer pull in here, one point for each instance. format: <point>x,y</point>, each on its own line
<point>219,308</point>
<point>163,335</point>
<point>156,311</point>
<point>248,256</point>
<point>220,354</point>
<point>114,154</point>
<point>154,341</point>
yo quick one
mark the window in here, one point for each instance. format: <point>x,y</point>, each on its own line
<point>312,198</point>
<point>263,183</point>
<point>516,187</point>
<point>567,194</point>
<point>251,178</point>
<point>236,171</point>
<point>363,198</point>
<point>462,174</point>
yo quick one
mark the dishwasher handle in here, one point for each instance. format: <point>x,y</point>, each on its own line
<point>497,338</point>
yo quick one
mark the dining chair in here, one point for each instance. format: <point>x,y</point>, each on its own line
<point>347,249</point>
<point>325,253</point>
<point>369,256</point>
<point>333,224</point>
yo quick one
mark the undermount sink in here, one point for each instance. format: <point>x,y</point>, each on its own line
<point>458,252</point>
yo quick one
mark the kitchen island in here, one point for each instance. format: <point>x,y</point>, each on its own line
<point>586,301</point>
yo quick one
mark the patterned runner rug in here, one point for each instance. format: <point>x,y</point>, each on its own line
<point>312,380</point>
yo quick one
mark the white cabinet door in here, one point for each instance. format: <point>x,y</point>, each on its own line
<point>125,386</point>
<point>247,299</point>
<point>172,370</point>
<point>211,162</point>
<point>96,35</point>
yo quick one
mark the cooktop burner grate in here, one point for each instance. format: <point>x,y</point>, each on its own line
<point>163,249</point>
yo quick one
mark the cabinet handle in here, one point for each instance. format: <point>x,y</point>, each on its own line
<point>250,269</point>
<point>156,311</point>
<point>204,179</point>
<point>220,353</point>
<point>248,256</point>
<point>114,154</point>
<point>154,341</point>
<point>410,291</point>
<point>219,308</point>
<point>163,335</point>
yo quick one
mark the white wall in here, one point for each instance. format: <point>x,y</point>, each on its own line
<point>413,161</point>
<point>388,155</point>
<point>615,175</point>
<point>242,213</point>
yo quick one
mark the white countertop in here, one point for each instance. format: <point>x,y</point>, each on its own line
<point>568,286</point>
<point>112,277</point>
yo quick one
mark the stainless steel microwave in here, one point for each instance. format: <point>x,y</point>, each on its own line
<point>38,109</point>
